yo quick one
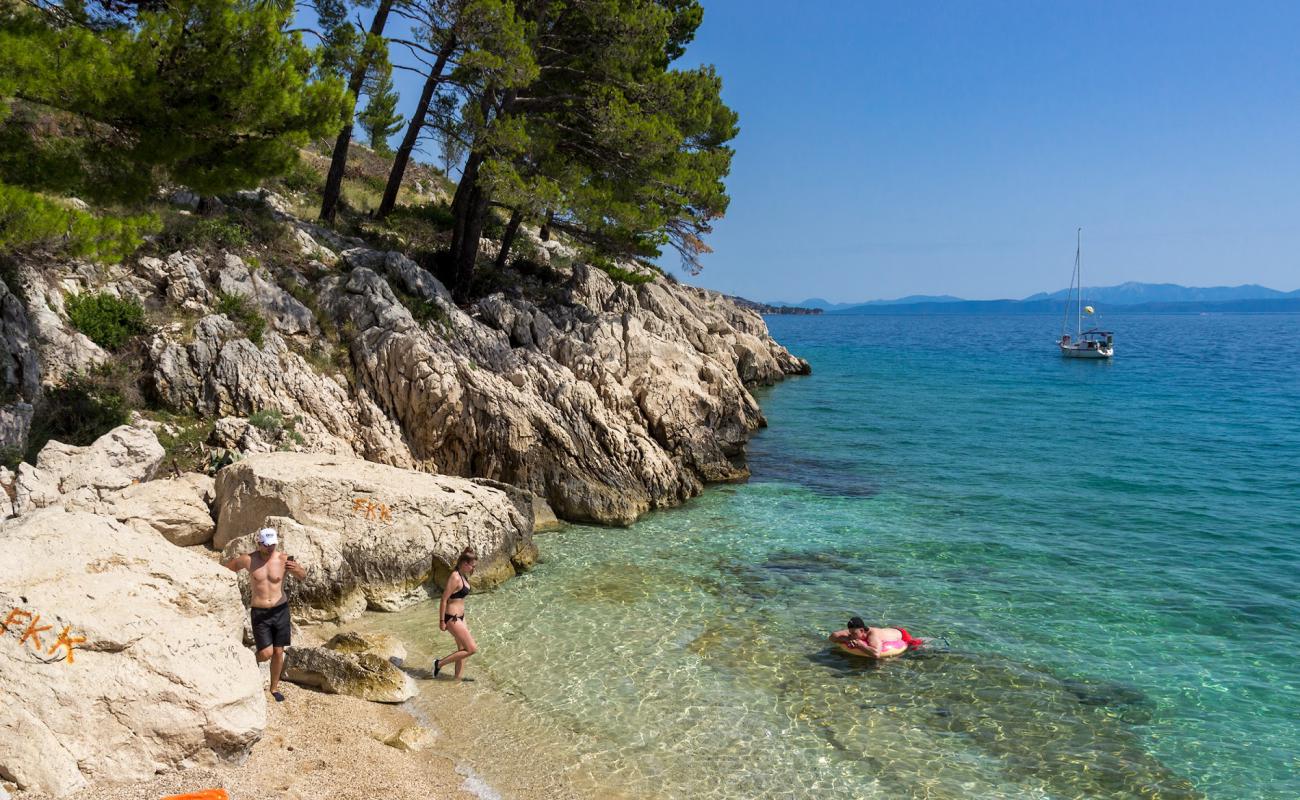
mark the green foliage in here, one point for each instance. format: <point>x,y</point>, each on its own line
<point>610,143</point>
<point>109,321</point>
<point>234,229</point>
<point>302,177</point>
<point>84,408</point>
<point>607,265</point>
<point>277,426</point>
<point>244,314</point>
<point>184,440</point>
<point>380,119</point>
<point>211,94</point>
<point>28,220</point>
<point>10,458</point>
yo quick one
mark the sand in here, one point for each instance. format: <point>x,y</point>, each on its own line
<point>316,747</point>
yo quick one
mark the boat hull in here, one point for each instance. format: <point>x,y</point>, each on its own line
<point>1096,353</point>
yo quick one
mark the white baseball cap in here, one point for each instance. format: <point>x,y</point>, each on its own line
<point>267,536</point>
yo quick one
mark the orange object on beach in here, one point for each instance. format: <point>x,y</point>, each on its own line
<point>204,794</point>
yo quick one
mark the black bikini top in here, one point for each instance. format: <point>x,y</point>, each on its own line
<point>464,587</point>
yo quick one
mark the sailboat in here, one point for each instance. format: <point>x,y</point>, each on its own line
<point>1094,342</point>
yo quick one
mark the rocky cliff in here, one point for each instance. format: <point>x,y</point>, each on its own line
<point>337,393</point>
<point>606,398</point>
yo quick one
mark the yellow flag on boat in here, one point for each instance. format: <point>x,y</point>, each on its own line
<point>1088,309</point>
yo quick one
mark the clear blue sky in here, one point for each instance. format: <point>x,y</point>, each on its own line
<point>894,148</point>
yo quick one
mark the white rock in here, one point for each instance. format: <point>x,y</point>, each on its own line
<point>368,533</point>
<point>176,508</point>
<point>119,458</point>
<point>161,680</point>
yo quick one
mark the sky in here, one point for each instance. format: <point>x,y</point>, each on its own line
<point>889,149</point>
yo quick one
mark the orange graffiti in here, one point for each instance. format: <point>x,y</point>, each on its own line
<point>33,634</point>
<point>372,510</point>
<point>13,617</point>
<point>67,641</point>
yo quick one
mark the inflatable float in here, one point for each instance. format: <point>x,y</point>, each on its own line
<point>890,649</point>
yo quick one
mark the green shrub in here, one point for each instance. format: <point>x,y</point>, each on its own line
<point>84,408</point>
<point>184,441</point>
<point>302,177</point>
<point>277,426</point>
<point>109,321</point>
<point>29,220</point>
<point>240,311</point>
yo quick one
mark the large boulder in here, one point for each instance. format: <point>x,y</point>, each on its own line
<point>120,656</point>
<point>368,676</point>
<point>178,508</point>
<point>119,458</point>
<point>370,535</point>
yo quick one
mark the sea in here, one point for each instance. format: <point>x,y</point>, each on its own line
<point>1104,557</point>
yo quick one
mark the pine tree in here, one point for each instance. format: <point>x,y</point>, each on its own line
<point>600,135</point>
<point>380,119</point>
<point>109,101</point>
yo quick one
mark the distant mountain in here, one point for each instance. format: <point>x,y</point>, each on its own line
<point>1132,293</point>
<point>826,305</point>
<point>1288,303</point>
<point>1139,297</point>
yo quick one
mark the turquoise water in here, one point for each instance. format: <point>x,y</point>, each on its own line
<point>1110,551</point>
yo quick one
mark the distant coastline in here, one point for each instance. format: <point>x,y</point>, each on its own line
<point>765,308</point>
<point>1132,297</point>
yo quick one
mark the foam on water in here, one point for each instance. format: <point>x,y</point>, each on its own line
<point>1110,550</point>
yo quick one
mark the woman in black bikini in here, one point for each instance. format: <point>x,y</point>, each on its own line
<point>452,613</point>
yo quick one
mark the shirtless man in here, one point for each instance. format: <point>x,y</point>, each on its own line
<point>266,569</point>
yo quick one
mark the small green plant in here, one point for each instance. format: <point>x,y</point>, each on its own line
<point>424,310</point>
<point>277,426</point>
<point>109,321</point>
<point>240,311</point>
<point>10,457</point>
<point>184,440</point>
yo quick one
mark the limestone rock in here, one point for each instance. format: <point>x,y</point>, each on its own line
<point>221,374</point>
<point>159,683</point>
<point>367,532</point>
<point>15,424</point>
<point>34,489</point>
<point>20,369</point>
<point>364,675</point>
<point>412,739</point>
<point>618,400</point>
<point>387,647</point>
<point>287,314</point>
<point>119,458</point>
<point>62,350</point>
<point>177,508</point>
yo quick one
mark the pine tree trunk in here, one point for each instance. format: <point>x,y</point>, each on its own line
<point>403,156</point>
<point>468,207</point>
<point>339,159</point>
<point>508,238</point>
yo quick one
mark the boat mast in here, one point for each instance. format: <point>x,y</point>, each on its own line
<point>1078,269</point>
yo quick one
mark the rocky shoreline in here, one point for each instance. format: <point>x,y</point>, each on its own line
<point>347,401</point>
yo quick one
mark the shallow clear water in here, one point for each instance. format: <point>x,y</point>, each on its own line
<point>1110,551</point>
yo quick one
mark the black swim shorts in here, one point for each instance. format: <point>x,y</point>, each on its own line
<point>271,626</point>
